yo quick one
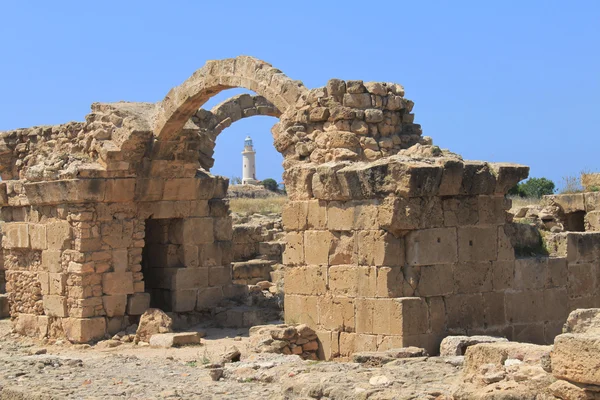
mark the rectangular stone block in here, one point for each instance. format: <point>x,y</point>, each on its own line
<point>120,190</point>
<point>317,215</point>
<point>525,307</point>
<point>83,330</point>
<point>117,283</point>
<point>57,283</point>
<point>168,340</point>
<point>342,249</point>
<point>208,298</point>
<point>581,279</point>
<point>294,248</point>
<point>555,305</point>
<point>431,246</point>
<point>294,215</point>
<point>44,281</point>
<point>51,260</point>
<point>180,189</point>
<point>340,216</point>
<point>223,229</point>
<point>192,231</point>
<point>353,281</point>
<point>583,247</point>
<point>390,281</point>
<point>138,303</point>
<point>219,276</point>
<point>472,277</point>
<point>380,248</point>
<point>55,306</point>
<point>37,236</point>
<point>506,251</point>
<point>465,311</point>
<point>336,313</point>
<point>317,245</point>
<point>15,235</point>
<point>114,306</point>
<point>306,280</point>
<point>301,309</point>
<point>492,210</point>
<point>58,235</point>
<point>477,243</point>
<point>435,280</point>
<point>400,316</point>
<point>530,273</point>
<point>193,278</point>
<point>183,300</point>
<point>557,272</point>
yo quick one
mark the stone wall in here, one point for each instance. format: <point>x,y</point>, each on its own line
<point>390,241</point>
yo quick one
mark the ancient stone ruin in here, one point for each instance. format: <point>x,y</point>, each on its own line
<point>391,241</point>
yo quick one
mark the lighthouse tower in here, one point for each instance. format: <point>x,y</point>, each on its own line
<point>249,163</point>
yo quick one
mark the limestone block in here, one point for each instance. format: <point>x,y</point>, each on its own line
<point>492,209</point>
<point>37,236</point>
<point>465,311</point>
<point>120,260</point>
<point>472,277</point>
<point>340,216</point>
<point>317,245</point>
<point>51,260</point>
<point>183,300</point>
<point>193,278</point>
<point>317,214</point>
<point>213,254</point>
<point>83,330</point>
<point>508,175</point>
<point>58,235</point>
<point>435,280</point>
<point>477,178</point>
<point>120,190</point>
<point>219,276</point>
<point>343,249</point>
<point>525,306</point>
<point>353,281</point>
<point>431,246</point>
<point>223,229</point>
<point>497,353</point>
<point>506,250</point>
<point>336,313</point>
<point>57,283</point>
<point>477,243</point>
<point>55,306</point>
<point>580,279</point>
<point>399,316</point>
<point>530,273</point>
<point>209,298</point>
<point>117,283</point>
<point>380,248</point>
<point>167,340</point>
<point>575,358</point>
<point>294,215</point>
<point>583,247</point>
<point>149,189</point>
<point>306,280</point>
<point>556,302</point>
<point>138,303</point>
<point>180,189</point>
<point>452,177</point>
<point>44,281</point>
<point>390,282</point>
<point>461,210</point>
<point>570,202</point>
<point>583,321</point>
<point>457,345</point>
<point>301,309</point>
<point>570,391</point>
<point>15,235</point>
<point>357,100</point>
<point>592,221</point>
<point>192,231</point>
<point>114,306</point>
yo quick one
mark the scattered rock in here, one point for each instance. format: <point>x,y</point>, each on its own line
<point>380,381</point>
<point>152,322</point>
<point>457,345</point>
<point>167,340</point>
<point>232,354</point>
<point>216,374</point>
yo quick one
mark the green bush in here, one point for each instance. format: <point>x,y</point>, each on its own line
<point>270,184</point>
<point>533,188</point>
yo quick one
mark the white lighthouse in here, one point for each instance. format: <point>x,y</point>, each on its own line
<point>249,162</point>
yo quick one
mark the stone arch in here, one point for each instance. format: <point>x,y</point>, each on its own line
<point>183,101</point>
<point>212,123</point>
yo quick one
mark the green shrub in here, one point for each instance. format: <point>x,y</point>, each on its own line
<point>533,188</point>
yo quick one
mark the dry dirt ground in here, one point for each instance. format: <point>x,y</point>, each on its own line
<point>35,369</point>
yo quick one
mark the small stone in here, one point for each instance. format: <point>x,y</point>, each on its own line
<point>380,381</point>
<point>232,354</point>
<point>216,374</point>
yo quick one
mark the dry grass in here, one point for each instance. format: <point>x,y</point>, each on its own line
<point>258,206</point>
<point>518,201</point>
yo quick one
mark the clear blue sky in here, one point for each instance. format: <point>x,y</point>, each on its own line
<point>514,81</point>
